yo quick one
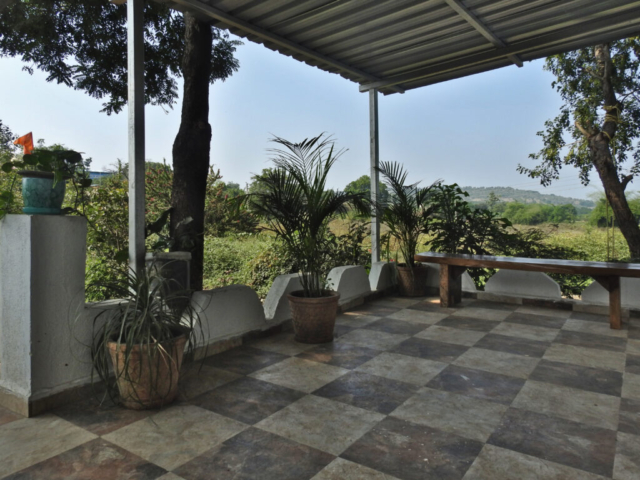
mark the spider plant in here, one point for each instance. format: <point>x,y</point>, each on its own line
<point>295,203</point>
<point>149,314</point>
<point>406,211</point>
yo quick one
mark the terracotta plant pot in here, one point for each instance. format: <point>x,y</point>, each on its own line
<point>314,318</point>
<point>412,285</point>
<point>151,379</point>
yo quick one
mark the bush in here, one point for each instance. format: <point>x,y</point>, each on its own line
<point>253,260</point>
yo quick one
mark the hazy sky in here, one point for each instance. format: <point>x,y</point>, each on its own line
<point>473,131</point>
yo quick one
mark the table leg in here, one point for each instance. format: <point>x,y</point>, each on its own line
<point>612,285</point>
<point>450,285</point>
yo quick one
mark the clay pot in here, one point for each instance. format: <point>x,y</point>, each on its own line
<point>151,379</point>
<point>314,318</point>
<point>412,285</point>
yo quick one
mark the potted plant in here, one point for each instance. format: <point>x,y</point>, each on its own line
<point>44,173</point>
<point>294,202</point>
<point>139,340</point>
<point>406,213</point>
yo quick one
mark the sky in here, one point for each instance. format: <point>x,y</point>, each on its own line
<point>472,131</point>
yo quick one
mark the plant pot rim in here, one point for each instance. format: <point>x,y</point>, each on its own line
<point>38,174</point>
<point>113,344</point>
<point>299,295</point>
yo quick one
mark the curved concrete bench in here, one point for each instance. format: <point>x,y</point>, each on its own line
<point>382,276</point>
<point>228,311</point>
<point>524,284</point>
<point>276,305</point>
<point>350,281</point>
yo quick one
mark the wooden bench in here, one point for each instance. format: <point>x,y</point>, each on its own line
<point>607,274</point>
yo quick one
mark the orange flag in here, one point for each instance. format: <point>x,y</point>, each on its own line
<point>27,142</point>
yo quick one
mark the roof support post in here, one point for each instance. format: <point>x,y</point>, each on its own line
<point>374,137</point>
<point>135,83</point>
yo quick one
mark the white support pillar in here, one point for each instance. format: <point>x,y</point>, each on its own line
<point>375,176</point>
<point>135,81</point>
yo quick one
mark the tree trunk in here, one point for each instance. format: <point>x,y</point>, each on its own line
<point>614,191</point>
<point>600,149</point>
<point>192,146</point>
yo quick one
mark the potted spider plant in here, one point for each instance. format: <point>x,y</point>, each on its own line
<point>406,213</point>
<point>139,340</point>
<point>44,173</point>
<point>295,204</point>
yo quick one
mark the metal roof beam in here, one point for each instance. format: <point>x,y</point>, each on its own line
<point>620,25</point>
<point>208,11</point>
<point>476,23</point>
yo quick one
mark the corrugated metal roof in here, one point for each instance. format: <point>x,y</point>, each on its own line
<point>397,45</point>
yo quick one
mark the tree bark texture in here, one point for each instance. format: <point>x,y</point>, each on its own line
<point>602,158</point>
<point>192,145</point>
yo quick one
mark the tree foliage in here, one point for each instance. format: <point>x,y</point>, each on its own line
<point>83,45</point>
<point>363,185</point>
<point>578,80</point>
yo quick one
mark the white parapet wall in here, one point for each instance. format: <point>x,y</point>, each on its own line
<point>350,281</point>
<point>42,275</point>
<point>228,312</point>
<point>595,294</point>
<point>382,276</point>
<point>276,305</point>
<point>516,283</point>
<point>433,279</point>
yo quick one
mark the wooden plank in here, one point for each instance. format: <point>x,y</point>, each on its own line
<point>593,269</point>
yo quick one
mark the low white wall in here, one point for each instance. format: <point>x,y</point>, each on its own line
<point>350,281</point>
<point>228,311</point>
<point>42,275</point>
<point>433,279</point>
<point>596,294</point>
<point>523,284</point>
<point>276,305</point>
<point>382,276</point>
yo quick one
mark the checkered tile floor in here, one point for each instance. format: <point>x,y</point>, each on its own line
<point>407,391</point>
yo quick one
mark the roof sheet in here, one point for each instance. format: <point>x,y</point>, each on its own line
<point>397,45</point>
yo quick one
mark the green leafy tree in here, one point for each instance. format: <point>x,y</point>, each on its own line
<point>363,185</point>
<point>82,44</point>
<point>600,88</point>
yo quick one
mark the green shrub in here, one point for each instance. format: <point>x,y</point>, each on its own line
<point>250,259</point>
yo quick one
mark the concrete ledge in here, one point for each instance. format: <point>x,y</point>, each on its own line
<point>523,284</point>
<point>595,293</point>
<point>276,305</point>
<point>350,281</point>
<point>228,311</point>
<point>468,285</point>
<point>382,276</point>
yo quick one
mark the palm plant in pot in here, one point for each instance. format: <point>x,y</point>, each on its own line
<point>295,204</point>
<point>139,340</point>
<point>406,213</point>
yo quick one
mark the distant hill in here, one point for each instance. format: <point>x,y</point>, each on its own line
<point>509,194</point>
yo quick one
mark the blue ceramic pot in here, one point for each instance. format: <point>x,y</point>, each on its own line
<point>39,195</point>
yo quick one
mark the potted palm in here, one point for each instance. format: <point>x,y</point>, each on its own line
<point>139,340</point>
<point>295,204</point>
<point>406,212</point>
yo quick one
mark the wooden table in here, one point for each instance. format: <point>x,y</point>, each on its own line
<point>607,274</point>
